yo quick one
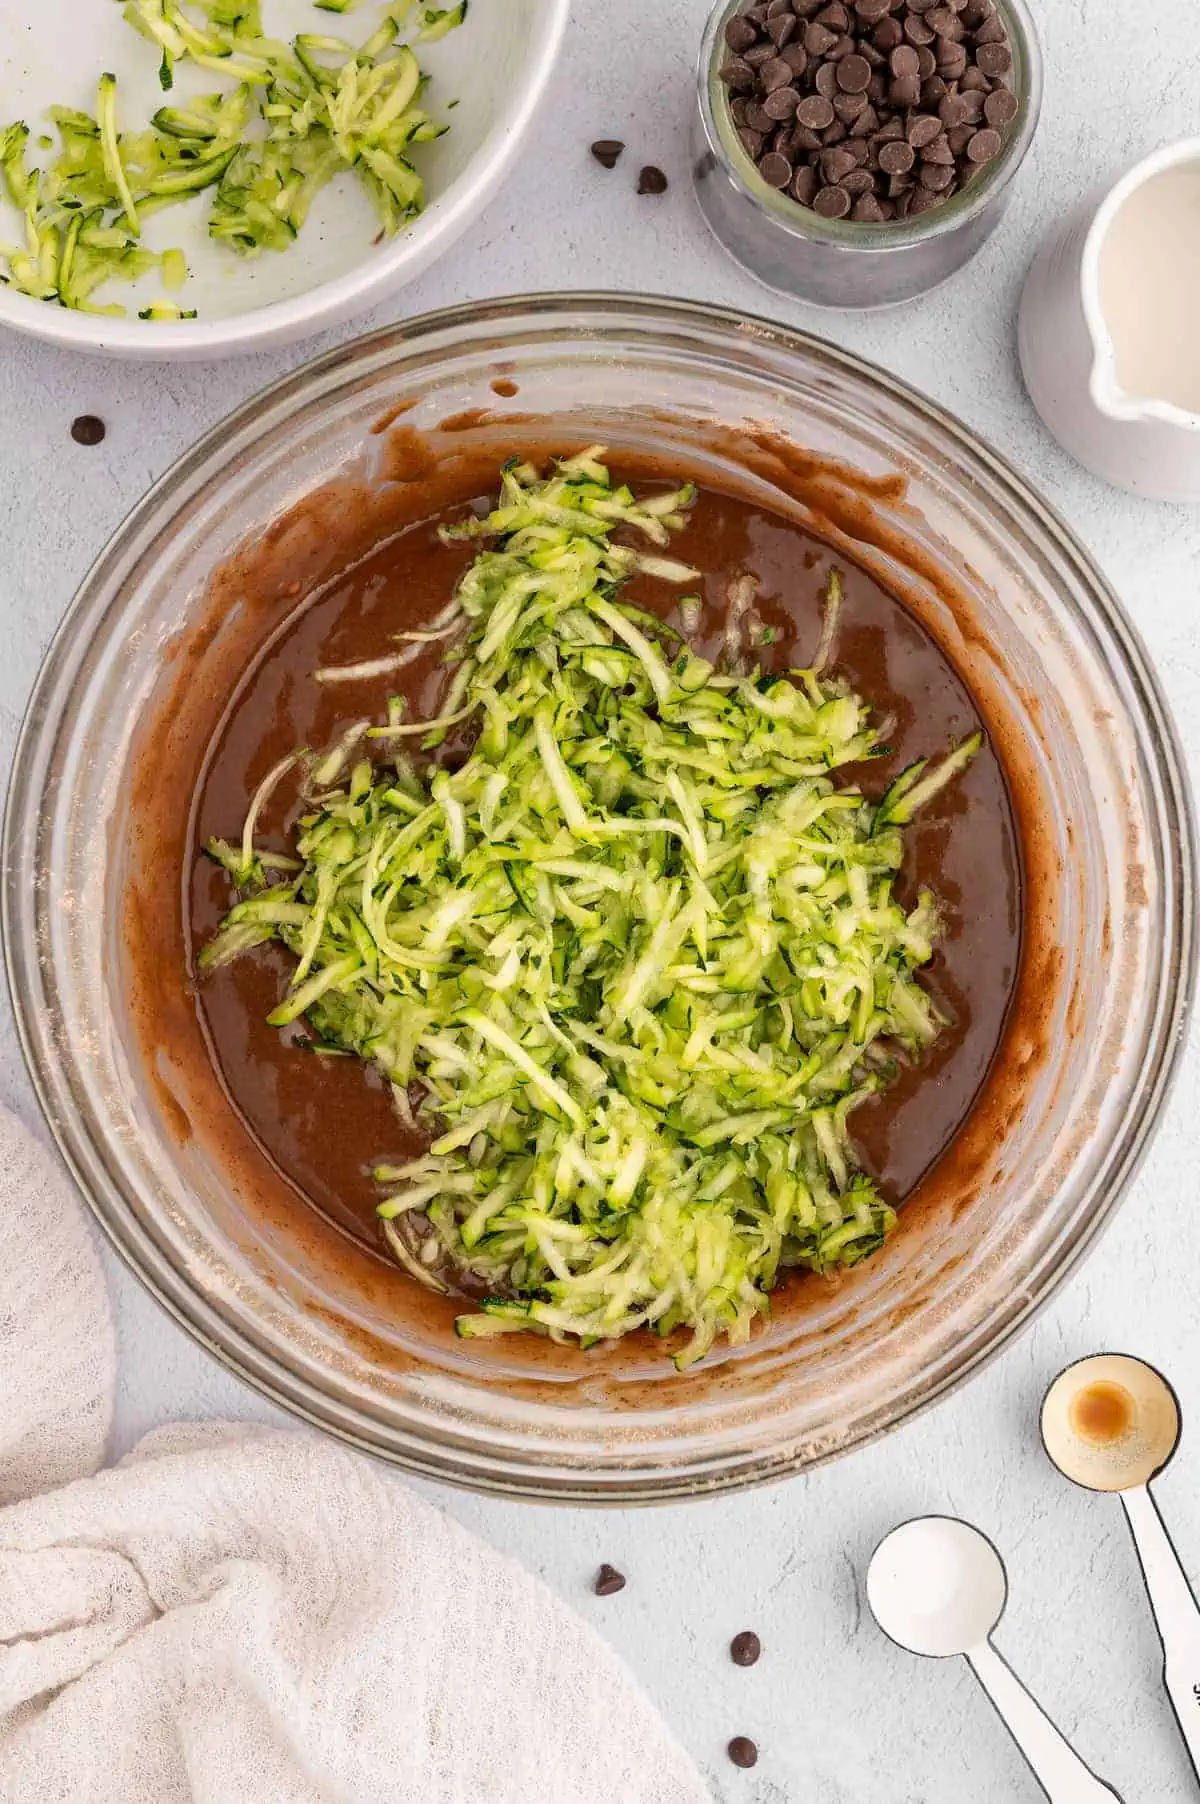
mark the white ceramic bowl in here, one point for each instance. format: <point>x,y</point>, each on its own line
<point>495,65</point>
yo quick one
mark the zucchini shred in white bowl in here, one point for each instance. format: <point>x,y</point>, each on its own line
<point>493,68</point>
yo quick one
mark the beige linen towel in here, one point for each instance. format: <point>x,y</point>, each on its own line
<point>236,1615</point>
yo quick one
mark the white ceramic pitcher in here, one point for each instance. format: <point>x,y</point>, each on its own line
<point>1148,446</point>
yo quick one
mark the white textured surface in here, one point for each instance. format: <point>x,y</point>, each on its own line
<point>841,1717</point>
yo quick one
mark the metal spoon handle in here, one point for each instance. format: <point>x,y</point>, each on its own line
<point>1175,1612</point>
<point>1060,1772</point>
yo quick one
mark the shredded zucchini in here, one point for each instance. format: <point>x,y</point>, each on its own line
<point>296,116</point>
<point>641,954</point>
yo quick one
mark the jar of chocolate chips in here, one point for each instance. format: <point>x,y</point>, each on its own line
<point>855,153</point>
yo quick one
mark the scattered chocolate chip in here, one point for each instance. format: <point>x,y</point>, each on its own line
<point>608,1581</point>
<point>88,429</point>
<point>752,141</point>
<point>850,107</point>
<point>743,1752</point>
<point>904,61</point>
<point>826,81</point>
<point>859,181</point>
<point>836,162</point>
<point>917,31</point>
<point>905,91</point>
<point>607,150</point>
<point>868,210</point>
<point>651,181</point>
<point>740,34</point>
<point>782,29</point>
<point>887,34</point>
<point>745,1648</point>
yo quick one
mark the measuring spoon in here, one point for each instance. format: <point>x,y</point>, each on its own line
<point>1111,1423</point>
<point>937,1587</point>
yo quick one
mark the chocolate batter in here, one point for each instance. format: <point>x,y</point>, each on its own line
<point>323,1122</point>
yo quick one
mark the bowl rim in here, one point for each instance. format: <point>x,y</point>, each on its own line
<point>365,285</point>
<point>236,1348</point>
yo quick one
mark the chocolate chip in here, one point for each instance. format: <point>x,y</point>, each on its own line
<point>743,1752</point>
<point>854,74</point>
<point>88,429</point>
<point>832,202</point>
<point>836,163</point>
<point>990,32</point>
<point>775,74</point>
<point>736,72</point>
<point>993,59</point>
<point>740,34</point>
<point>951,59</point>
<point>917,31</point>
<point>937,177</point>
<point>608,1581</point>
<point>808,78</point>
<point>984,146</point>
<point>781,104</point>
<point>944,20</point>
<point>816,112</point>
<point>804,185</point>
<point>651,180</point>
<point>775,170</point>
<point>607,150</point>
<point>922,130</point>
<point>1001,108</point>
<point>897,159</point>
<point>939,151</point>
<point>745,1648</point>
<point>849,107</point>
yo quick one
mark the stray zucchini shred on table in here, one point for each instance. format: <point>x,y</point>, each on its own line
<point>299,114</point>
<point>639,958</point>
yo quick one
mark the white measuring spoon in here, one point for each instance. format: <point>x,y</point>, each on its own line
<point>1111,1423</point>
<point>937,1587</point>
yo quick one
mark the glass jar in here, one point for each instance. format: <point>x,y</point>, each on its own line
<point>1078,713</point>
<point>840,262</point>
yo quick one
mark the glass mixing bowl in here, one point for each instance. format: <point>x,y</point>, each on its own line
<point>1108,837</point>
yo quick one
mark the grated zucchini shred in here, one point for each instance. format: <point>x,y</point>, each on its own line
<point>641,956</point>
<point>294,116</point>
